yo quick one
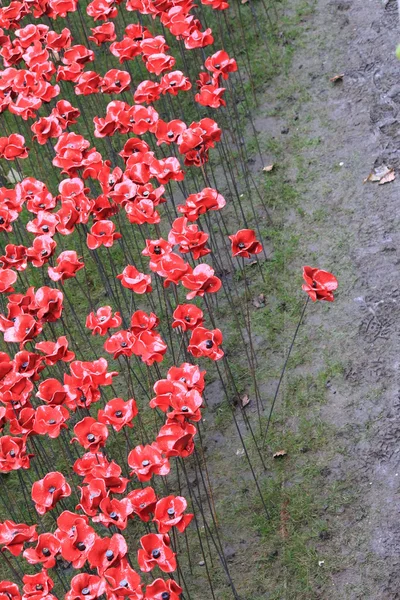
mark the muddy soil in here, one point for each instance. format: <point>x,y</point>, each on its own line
<point>352,229</point>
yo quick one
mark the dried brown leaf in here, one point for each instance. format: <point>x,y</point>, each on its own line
<point>337,78</point>
<point>268,168</point>
<point>245,400</point>
<point>259,301</point>
<point>382,175</point>
<point>391,176</point>
<point>280,453</point>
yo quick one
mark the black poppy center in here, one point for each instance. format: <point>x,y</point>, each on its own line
<point>165,596</point>
<point>85,591</point>
<point>123,583</point>
<point>91,437</point>
<point>145,463</point>
<point>81,546</point>
<point>185,409</point>
<point>209,344</point>
<point>241,245</point>
<point>52,422</point>
<point>39,587</point>
<point>156,553</point>
<point>1,220</point>
<point>24,365</point>
<point>170,134</point>
<point>145,194</point>
<point>123,344</point>
<point>52,489</point>
<point>118,413</point>
<point>46,552</point>
<point>157,250</point>
<point>114,516</point>
<point>171,512</point>
<point>45,228</point>
<point>109,555</point>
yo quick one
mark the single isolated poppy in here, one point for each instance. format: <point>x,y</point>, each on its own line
<point>118,413</point>
<point>187,317</point>
<point>37,586</point>
<point>319,284</point>
<point>123,581</point>
<point>206,342</point>
<point>90,434</point>
<point>244,243</point>
<point>143,501</point>
<point>45,552</point>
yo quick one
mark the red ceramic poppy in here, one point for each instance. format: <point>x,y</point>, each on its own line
<point>244,243</point>
<point>13,454</point>
<point>146,461</point>
<point>202,280</point>
<point>46,128</point>
<point>107,552</point>
<point>23,423</point>
<point>13,536</point>
<point>141,321</point>
<point>189,238</point>
<point>45,223</point>
<point>118,413</point>
<point>76,536</point>
<point>48,491</point>
<point>115,82</point>
<point>49,302</point>
<point>49,420</point>
<point>43,247</point>
<point>102,233</point>
<point>186,407</point>
<point>90,434</point>
<point>86,587</point>
<point>156,250</point>
<point>9,591</point>
<point>132,279</point>
<point>91,496</point>
<point>156,551</point>
<point>169,512</point>
<point>150,347</point>
<point>103,320</point>
<point>47,548</point>
<point>13,147</point>
<point>120,343</point>
<point>172,267</point>
<point>319,284</point>
<point>147,92</point>
<point>165,391</point>
<point>52,392</point>
<point>198,204</point>
<point>7,279</point>
<point>37,586</point>
<point>206,342</point>
<point>163,590</point>
<point>187,316</point>
<point>15,257</point>
<point>176,439</point>
<point>174,82</point>
<point>211,95</point>
<point>55,351</point>
<point>103,33</point>
<point>101,10</point>
<point>68,264</point>
<point>123,581</point>
<point>220,64</point>
<point>189,375</point>
<point>143,501</point>
<point>114,512</point>
<point>110,472</point>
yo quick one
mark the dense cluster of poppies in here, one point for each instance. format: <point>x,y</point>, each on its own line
<point>38,63</point>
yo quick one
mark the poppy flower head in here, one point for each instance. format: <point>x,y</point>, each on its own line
<point>38,585</point>
<point>108,552</point>
<point>146,461</point>
<point>176,439</point>
<point>45,552</point>
<point>206,342</point>
<point>13,536</point>
<point>187,317</point>
<point>244,243</point>
<point>156,551</point>
<point>90,434</point>
<point>143,501</point>
<point>163,590</point>
<point>118,413</point>
<point>48,491</point>
<point>86,587</point>
<point>319,284</point>
<point>202,280</point>
<point>131,278</point>
<point>169,512</point>
<point>91,496</point>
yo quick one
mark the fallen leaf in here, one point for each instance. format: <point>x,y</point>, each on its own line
<point>280,453</point>
<point>337,78</point>
<point>382,174</point>
<point>245,1</point>
<point>259,301</point>
<point>268,168</point>
<point>245,400</point>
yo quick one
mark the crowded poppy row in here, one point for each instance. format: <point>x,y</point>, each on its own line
<point>48,394</point>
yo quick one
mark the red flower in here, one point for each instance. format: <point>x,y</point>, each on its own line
<point>13,454</point>
<point>189,238</point>
<point>48,491</point>
<point>198,204</point>
<point>124,581</point>
<point>90,434</point>
<point>42,248</point>
<point>68,264</point>
<point>15,257</point>
<point>159,62</point>
<point>244,243</point>
<point>187,316</point>
<point>150,347</point>
<point>65,113</point>
<point>107,552</point>
<point>189,375</point>
<point>174,82</point>
<point>103,320</point>
<point>118,413</point>
<point>319,284</point>
<point>46,128</point>
<point>103,33</point>
<point>211,95</point>
<point>86,587</point>
<point>205,342</point>
<point>49,303</point>
<point>13,536</point>
<point>141,321</point>
<point>156,552</point>
<point>50,420</point>
<point>172,267</point>
<point>52,392</point>
<point>115,82</point>
<point>13,147</point>
<point>102,233</point>
<point>9,591</point>
<point>56,351</point>
<point>220,64</point>
<point>91,496</point>
<point>45,551</point>
<point>7,279</point>
<point>156,249</point>
<point>135,281</point>
<point>109,471</point>
<point>45,223</point>
<point>148,92</point>
<point>146,461</point>
<point>200,281</point>
<point>176,439</point>
<point>37,586</point>
<point>185,407</point>
<point>114,512</point>
<point>25,328</point>
<point>169,513</point>
<point>143,502</point>
<point>76,537</point>
<point>165,391</point>
<point>161,590</point>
